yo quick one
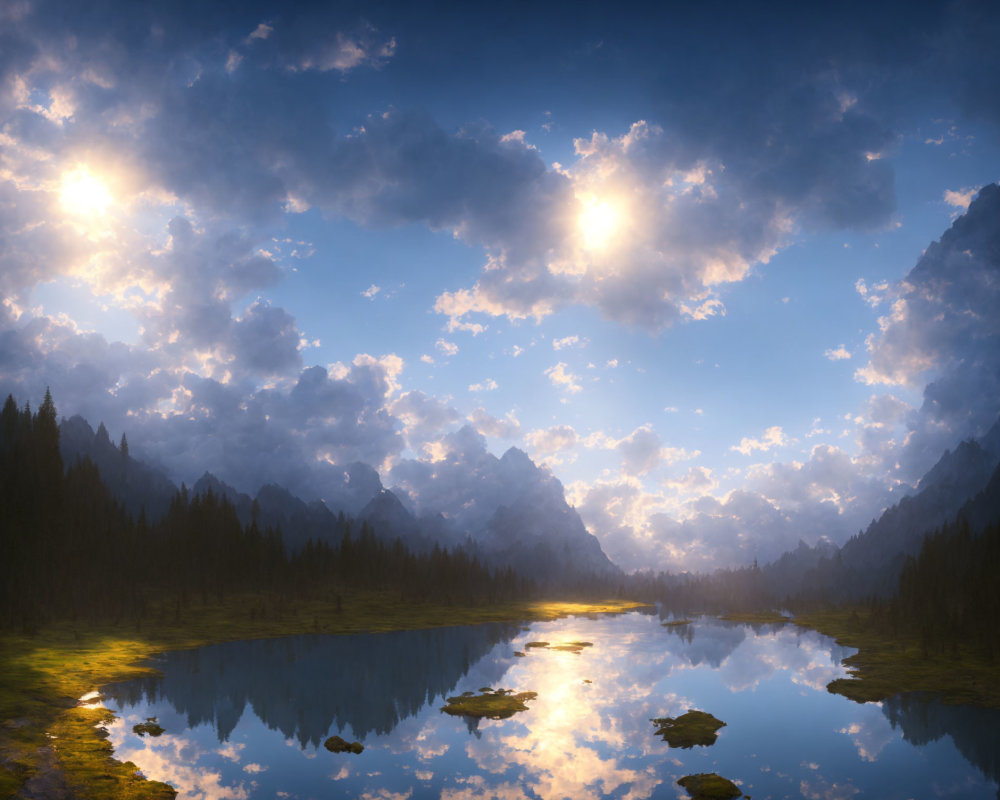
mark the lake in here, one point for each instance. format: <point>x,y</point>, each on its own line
<point>248,719</point>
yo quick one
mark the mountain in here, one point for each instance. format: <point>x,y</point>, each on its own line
<point>536,531</point>
<point>964,481</point>
<point>876,555</point>
<point>132,483</point>
<point>533,529</point>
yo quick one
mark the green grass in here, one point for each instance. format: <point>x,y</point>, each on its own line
<point>885,666</point>
<point>710,786</point>
<point>489,703</point>
<point>756,617</point>
<point>337,745</point>
<point>564,647</point>
<point>45,735</point>
<point>695,728</point>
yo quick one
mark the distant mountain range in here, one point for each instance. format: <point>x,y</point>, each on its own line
<point>964,482</point>
<point>539,534</point>
<point>534,530</point>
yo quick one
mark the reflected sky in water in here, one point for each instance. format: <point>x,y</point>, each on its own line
<point>247,719</point>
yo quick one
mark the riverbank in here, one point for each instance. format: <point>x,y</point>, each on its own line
<point>51,747</point>
<point>885,666</point>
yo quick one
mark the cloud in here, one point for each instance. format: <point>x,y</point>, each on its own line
<point>446,348</point>
<point>840,353</point>
<point>484,386</point>
<point>561,377</point>
<point>423,417</point>
<point>552,440</point>
<point>371,291</point>
<point>266,341</point>
<point>942,332</point>
<point>961,198</point>
<point>641,451</point>
<point>773,437</point>
<point>568,341</point>
<point>696,479</point>
<point>508,427</point>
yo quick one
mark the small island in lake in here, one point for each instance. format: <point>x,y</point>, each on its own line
<point>337,745</point>
<point>490,703</point>
<point>710,786</point>
<point>688,730</point>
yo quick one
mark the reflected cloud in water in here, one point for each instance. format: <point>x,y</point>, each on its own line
<point>230,710</point>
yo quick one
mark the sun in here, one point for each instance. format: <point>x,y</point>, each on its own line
<point>599,221</point>
<point>84,194</point>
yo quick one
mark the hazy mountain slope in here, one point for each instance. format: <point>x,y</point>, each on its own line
<point>133,483</point>
<point>951,482</point>
<point>532,529</point>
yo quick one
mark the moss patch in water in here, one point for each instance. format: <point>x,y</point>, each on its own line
<point>695,728</point>
<point>491,704</point>
<point>337,745</point>
<point>150,726</point>
<point>563,647</point>
<point>710,786</point>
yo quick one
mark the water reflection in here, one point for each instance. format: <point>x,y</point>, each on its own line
<point>975,731</point>
<point>247,720</point>
<point>304,685</point>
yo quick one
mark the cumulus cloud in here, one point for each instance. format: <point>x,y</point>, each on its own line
<point>484,386</point>
<point>773,437</point>
<point>641,451</point>
<point>960,198</point>
<point>552,440</point>
<point>446,348</point>
<point>506,427</point>
<point>839,353</point>
<point>561,377</point>
<point>568,341</point>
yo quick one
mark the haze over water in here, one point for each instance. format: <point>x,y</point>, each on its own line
<point>248,719</point>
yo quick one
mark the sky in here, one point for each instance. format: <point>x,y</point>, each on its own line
<point>683,257</point>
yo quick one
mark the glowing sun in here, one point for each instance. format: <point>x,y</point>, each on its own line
<point>599,221</point>
<point>84,194</point>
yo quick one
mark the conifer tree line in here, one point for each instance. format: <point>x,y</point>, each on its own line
<point>69,550</point>
<point>949,595</point>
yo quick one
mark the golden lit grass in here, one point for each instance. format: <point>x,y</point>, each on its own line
<point>885,666</point>
<point>42,676</point>
<point>489,703</point>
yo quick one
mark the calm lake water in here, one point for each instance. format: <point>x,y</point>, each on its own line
<point>248,719</point>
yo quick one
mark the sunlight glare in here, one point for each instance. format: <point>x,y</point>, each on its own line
<point>599,221</point>
<point>84,194</point>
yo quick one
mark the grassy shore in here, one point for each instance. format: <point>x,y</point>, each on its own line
<point>885,666</point>
<point>52,745</point>
<point>756,617</point>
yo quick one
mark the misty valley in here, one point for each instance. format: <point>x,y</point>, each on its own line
<point>164,642</point>
<point>249,719</point>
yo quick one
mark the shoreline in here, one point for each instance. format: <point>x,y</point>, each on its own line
<point>884,667</point>
<point>52,746</point>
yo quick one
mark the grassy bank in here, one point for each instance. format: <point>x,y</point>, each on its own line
<point>53,747</point>
<point>885,666</point>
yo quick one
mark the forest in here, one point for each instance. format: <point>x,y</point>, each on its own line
<point>72,552</point>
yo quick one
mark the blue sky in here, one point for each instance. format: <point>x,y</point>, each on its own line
<point>671,255</point>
